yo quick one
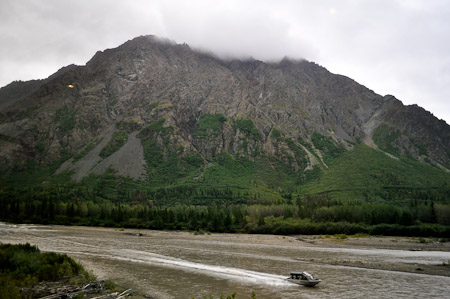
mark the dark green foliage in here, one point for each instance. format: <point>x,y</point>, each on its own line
<point>65,118</point>
<point>365,173</point>
<point>209,125</point>
<point>308,215</point>
<point>166,164</point>
<point>247,127</point>
<point>110,200</point>
<point>266,176</point>
<point>327,146</point>
<point>118,139</point>
<point>24,265</point>
<point>30,174</point>
<point>313,175</point>
<point>384,137</point>
<point>299,226</point>
<point>276,133</point>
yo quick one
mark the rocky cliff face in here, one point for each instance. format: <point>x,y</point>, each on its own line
<point>192,107</point>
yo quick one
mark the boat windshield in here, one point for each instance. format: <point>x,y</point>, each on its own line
<point>308,276</point>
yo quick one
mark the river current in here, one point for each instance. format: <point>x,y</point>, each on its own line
<point>181,265</point>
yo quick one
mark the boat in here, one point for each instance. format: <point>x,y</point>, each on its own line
<point>303,278</point>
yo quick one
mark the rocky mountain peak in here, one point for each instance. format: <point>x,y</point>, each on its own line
<point>176,103</point>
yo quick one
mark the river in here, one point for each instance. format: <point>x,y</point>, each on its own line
<point>183,265</point>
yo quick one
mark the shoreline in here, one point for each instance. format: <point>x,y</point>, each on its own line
<point>355,242</point>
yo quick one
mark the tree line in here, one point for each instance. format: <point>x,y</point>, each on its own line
<point>318,214</point>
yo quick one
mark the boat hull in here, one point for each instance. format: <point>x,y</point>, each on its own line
<point>306,283</point>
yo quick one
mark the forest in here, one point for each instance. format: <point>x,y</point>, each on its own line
<point>425,213</point>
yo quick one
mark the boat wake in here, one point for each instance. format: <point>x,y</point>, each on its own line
<point>237,274</point>
<point>215,270</point>
<point>137,256</point>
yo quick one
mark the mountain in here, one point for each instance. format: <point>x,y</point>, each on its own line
<point>160,115</point>
<point>18,90</point>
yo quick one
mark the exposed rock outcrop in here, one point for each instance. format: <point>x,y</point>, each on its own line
<point>146,80</point>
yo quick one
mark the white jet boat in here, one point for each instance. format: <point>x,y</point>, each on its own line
<point>303,278</point>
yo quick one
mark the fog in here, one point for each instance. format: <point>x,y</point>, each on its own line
<point>393,47</point>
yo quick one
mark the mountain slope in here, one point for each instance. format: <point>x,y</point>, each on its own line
<point>166,115</point>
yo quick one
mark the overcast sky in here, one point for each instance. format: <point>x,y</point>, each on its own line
<point>391,46</point>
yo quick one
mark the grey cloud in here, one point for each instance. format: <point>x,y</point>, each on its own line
<point>396,47</point>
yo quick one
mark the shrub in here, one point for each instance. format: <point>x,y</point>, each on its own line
<point>23,265</point>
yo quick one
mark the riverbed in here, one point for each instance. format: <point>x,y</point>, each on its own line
<point>183,264</point>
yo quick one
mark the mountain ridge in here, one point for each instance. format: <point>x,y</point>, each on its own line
<point>190,109</point>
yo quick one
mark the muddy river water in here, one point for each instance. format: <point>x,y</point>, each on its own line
<point>183,265</point>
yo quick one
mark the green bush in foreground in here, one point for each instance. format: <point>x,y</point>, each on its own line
<point>23,265</point>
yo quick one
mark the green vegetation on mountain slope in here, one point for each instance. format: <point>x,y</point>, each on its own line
<point>363,189</point>
<point>384,136</point>
<point>359,174</point>
<point>365,173</point>
<point>209,125</point>
<point>165,164</point>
